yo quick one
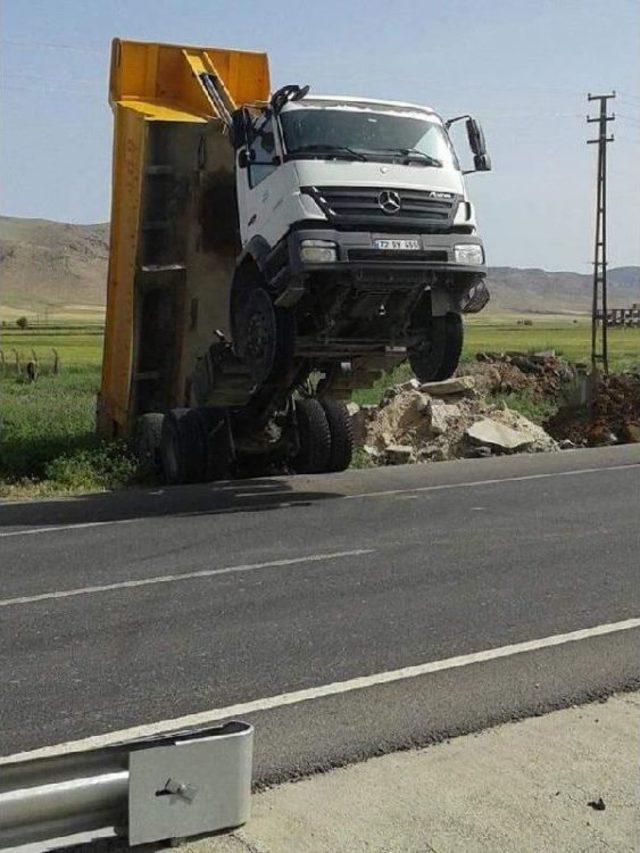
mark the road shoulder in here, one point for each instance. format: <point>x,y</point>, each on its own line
<point>537,784</point>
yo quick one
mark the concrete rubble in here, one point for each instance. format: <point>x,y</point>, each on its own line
<point>437,421</point>
<point>465,417</point>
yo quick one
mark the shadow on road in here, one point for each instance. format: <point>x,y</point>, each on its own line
<point>255,495</point>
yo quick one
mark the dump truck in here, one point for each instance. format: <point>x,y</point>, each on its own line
<point>269,254</point>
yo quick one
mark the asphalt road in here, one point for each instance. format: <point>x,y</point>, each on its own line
<point>233,593</point>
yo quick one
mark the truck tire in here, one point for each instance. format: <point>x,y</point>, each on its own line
<point>314,437</point>
<point>146,442</point>
<point>341,435</point>
<point>454,338</point>
<point>220,455</point>
<point>266,336</point>
<point>183,447</point>
<point>437,358</point>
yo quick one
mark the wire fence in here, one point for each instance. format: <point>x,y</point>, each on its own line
<point>28,365</point>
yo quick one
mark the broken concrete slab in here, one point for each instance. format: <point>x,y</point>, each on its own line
<point>410,385</point>
<point>441,415</point>
<point>456,385</point>
<point>398,454</point>
<point>495,434</point>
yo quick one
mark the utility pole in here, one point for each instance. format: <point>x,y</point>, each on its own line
<point>600,250</point>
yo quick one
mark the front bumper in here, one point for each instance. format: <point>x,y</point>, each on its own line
<point>355,251</point>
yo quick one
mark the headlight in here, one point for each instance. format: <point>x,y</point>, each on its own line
<point>318,251</point>
<point>468,253</point>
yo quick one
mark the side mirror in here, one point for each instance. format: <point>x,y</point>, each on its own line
<point>238,131</point>
<point>246,157</point>
<point>287,93</point>
<point>482,163</point>
<point>477,142</point>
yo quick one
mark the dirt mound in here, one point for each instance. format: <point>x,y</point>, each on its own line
<point>612,417</point>
<point>543,373</point>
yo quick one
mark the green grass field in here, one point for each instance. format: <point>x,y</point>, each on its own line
<point>47,439</point>
<point>568,338</point>
<point>47,432</point>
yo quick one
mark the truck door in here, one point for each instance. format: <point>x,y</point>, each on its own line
<point>258,184</point>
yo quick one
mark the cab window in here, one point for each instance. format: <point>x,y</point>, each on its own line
<point>263,148</point>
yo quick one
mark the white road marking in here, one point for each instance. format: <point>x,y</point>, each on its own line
<point>78,526</point>
<point>203,573</point>
<point>204,718</point>
<point>299,498</point>
<point>492,482</point>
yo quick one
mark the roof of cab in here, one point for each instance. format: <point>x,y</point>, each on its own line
<point>371,102</point>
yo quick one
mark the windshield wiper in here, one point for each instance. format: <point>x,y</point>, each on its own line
<point>415,154</point>
<point>338,150</point>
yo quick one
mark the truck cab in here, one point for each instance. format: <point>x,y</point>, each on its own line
<point>356,214</point>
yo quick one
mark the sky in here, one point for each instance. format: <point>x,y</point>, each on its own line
<point>522,67</point>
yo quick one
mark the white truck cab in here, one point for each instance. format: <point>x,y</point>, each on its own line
<point>354,220</point>
<point>338,143</point>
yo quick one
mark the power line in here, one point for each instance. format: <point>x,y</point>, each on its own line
<point>625,95</point>
<point>88,81</point>
<point>626,117</point>
<point>53,46</point>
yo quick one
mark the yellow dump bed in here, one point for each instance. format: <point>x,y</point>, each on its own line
<point>174,235</point>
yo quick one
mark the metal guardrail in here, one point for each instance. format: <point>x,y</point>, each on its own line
<point>148,790</point>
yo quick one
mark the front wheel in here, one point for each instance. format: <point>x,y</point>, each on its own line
<point>454,339</point>
<point>437,357</point>
<point>265,336</point>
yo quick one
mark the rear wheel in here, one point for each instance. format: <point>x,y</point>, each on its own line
<point>341,432</point>
<point>314,436</point>
<point>220,452</point>
<point>183,447</point>
<point>146,442</point>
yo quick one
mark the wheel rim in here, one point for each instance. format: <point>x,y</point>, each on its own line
<point>258,343</point>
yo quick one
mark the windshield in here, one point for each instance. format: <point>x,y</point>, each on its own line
<point>366,135</point>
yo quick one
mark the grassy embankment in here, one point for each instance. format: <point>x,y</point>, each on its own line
<point>47,440</point>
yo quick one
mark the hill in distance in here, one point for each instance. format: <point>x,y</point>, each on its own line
<point>61,268</point>
<point>52,266</point>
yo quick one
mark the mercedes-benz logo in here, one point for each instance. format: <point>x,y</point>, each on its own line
<point>389,201</point>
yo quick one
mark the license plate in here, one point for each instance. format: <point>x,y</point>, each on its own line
<point>397,245</point>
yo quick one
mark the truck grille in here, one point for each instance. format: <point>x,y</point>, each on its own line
<point>363,205</point>
<point>377,255</point>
